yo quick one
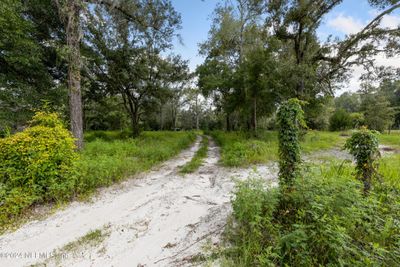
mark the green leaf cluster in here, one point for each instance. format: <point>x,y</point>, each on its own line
<point>36,165</point>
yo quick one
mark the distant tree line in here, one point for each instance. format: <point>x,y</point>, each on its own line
<point>377,107</point>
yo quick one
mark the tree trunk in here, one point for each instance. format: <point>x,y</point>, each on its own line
<point>197,122</point>
<point>74,68</point>
<point>197,112</point>
<point>254,115</point>
<point>173,115</point>
<point>228,122</point>
<point>135,125</point>
<point>161,118</point>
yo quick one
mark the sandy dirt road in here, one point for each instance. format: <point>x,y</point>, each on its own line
<point>160,218</point>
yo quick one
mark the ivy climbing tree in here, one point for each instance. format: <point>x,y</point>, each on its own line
<point>290,120</point>
<point>363,145</point>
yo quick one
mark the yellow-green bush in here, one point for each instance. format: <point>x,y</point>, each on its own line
<point>36,165</point>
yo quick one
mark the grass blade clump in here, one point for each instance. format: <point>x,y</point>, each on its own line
<point>197,159</point>
<point>105,162</point>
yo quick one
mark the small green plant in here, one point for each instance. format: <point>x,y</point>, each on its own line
<point>363,145</point>
<point>197,160</point>
<point>290,121</point>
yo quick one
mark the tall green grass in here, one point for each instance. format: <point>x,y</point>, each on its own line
<point>243,149</point>
<point>105,161</point>
<point>392,139</point>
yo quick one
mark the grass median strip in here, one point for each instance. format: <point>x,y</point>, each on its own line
<point>197,159</point>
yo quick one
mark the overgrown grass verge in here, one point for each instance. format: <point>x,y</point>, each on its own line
<point>392,139</point>
<point>243,149</point>
<point>198,157</point>
<point>105,162</point>
<point>325,221</point>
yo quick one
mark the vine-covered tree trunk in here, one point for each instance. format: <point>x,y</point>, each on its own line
<point>290,119</point>
<point>74,65</point>
<point>364,147</point>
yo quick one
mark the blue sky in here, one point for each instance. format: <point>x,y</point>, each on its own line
<point>346,18</point>
<point>196,21</point>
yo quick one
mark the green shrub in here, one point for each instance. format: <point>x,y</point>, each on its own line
<point>357,120</point>
<point>36,165</point>
<point>340,120</point>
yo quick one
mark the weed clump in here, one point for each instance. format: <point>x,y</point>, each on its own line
<point>197,159</point>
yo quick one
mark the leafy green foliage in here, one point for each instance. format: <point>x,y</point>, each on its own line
<point>197,160</point>
<point>340,120</point>
<point>36,165</point>
<point>131,52</point>
<point>378,114</point>
<point>109,136</point>
<point>350,102</point>
<point>28,72</point>
<point>40,165</point>
<point>244,149</point>
<point>364,147</point>
<point>290,121</point>
<point>333,223</point>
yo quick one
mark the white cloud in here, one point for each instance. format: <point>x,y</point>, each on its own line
<point>350,25</point>
<point>390,21</point>
<point>345,24</point>
<point>354,82</point>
